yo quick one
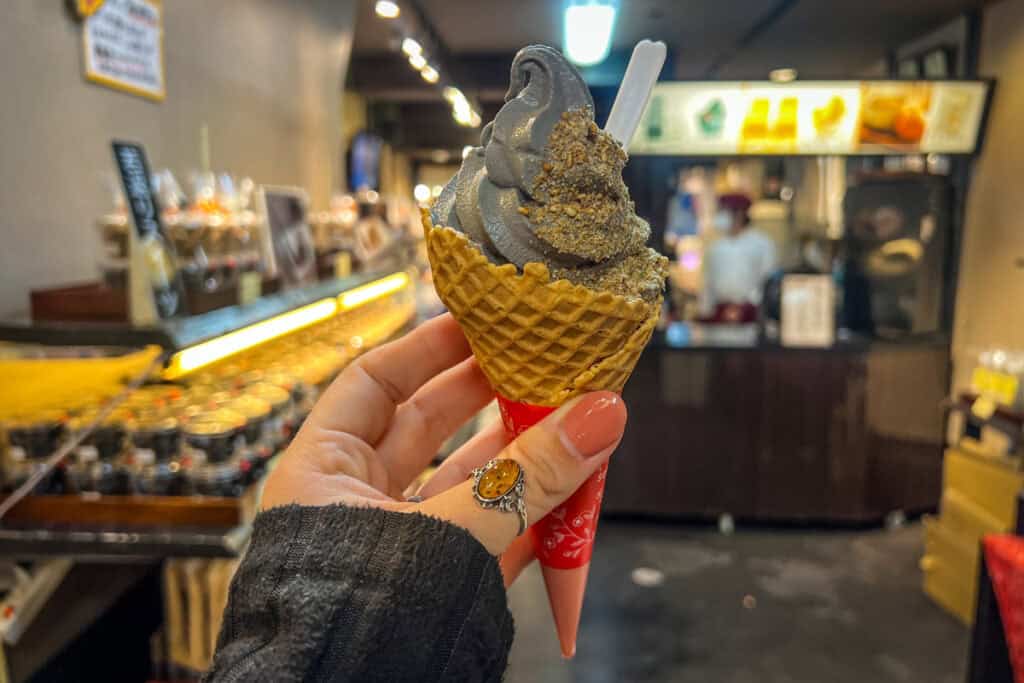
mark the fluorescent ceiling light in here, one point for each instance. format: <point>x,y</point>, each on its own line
<point>429,74</point>
<point>410,47</point>
<point>588,30</point>
<point>387,9</point>
<point>417,61</point>
<point>452,94</point>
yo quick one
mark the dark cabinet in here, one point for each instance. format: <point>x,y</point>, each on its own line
<point>782,434</point>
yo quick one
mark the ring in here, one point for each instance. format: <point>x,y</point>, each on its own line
<point>499,485</point>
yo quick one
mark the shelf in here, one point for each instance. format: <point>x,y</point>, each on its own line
<point>174,335</point>
<point>102,544</point>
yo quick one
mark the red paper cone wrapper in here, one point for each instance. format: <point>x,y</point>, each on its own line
<point>564,538</point>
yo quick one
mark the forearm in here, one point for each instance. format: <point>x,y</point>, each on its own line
<point>362,594</point>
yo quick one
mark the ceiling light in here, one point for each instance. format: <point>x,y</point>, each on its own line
<point>452,94</point>
<point>462,112</point>
<point>387,9</point>
<point>474,119</point>
<point>588,30</point>
<point>782,75</point>
<point>417,61</point>
<point>410,47</point>
<point>429,74</point>
<point>421,192</point>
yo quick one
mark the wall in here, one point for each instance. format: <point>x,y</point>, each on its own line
<point>264,75</point>
<point>989,309</point>
<point>953,34</point>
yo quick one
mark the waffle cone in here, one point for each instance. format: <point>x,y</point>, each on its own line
<point>538,341</point>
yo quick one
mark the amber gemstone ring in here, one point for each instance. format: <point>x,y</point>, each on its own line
<point>499,485</point>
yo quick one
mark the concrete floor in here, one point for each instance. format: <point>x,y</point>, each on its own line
<point>756,607</point>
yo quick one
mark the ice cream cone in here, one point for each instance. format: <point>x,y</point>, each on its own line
<point>540,343</point>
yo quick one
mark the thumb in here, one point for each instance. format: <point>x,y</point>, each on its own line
<point>555,456</point>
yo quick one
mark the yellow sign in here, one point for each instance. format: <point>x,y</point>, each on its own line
<point>1001,387</point>
<point>86,8</point>
<point>983,407</point>
<point>123,42</point>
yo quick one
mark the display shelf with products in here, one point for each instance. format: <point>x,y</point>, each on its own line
<point>174,464</point>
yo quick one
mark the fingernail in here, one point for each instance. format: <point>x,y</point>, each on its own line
<point>593,424</point>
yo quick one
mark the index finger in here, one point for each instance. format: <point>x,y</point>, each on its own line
<point>362,399</point>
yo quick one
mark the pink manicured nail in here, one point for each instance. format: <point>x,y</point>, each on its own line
<point>593,424</point>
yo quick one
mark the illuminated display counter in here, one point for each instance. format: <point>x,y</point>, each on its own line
<point>162,451</point>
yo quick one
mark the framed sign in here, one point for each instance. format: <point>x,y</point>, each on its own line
<point>123,42</point>
<point>808,310</point>
<point>288,242</point>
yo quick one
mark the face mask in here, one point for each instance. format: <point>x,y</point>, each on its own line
<point>722,221</point>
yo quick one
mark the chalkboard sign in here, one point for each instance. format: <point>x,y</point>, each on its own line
<point>151,250</point>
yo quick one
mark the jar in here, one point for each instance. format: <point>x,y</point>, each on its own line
<point>19,468</point>
<point>256,412</point>
<point>156,433</point>
<point>281,424</point>
<point>214,437</point>
<point>108,437</point>
<point>36,436</point>
<point>88,473</point>
<point>154,478</point>
<point>228,479</point>
<point>259,442</point>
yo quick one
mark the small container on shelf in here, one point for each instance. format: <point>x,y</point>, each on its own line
<point>96,465</point>
<point>30,440</point>
<point>154,455</point>
<point>215,441</point>
<point>258,441</point>
<point>282,419</point>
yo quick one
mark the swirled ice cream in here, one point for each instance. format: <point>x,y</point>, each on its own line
<point>545,185</point>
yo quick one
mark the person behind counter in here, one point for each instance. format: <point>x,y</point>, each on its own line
<point>348,579</point>
<point>736,266</point>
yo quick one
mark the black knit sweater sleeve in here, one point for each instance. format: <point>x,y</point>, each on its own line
<point>359,594</point>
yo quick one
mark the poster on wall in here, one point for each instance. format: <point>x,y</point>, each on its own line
<point>123,43</point>
<point>813,117</point>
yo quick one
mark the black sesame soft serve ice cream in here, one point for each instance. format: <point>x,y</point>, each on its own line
<point>545,185</point>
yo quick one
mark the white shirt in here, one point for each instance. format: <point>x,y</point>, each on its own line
<point>736,268</point>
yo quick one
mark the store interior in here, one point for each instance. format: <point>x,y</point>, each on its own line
<point>211,210</point>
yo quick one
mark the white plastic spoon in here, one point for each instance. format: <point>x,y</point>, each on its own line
<point>641,74</point>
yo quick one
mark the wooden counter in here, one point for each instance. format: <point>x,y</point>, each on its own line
<point>844,434</point>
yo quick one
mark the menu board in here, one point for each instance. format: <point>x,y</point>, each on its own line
<point>812,117</point>
<point>124,49</point>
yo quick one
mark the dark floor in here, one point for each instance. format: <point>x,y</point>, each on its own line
<point>756,607</point>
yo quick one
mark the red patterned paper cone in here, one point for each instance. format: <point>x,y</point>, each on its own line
<point>563,540</point>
